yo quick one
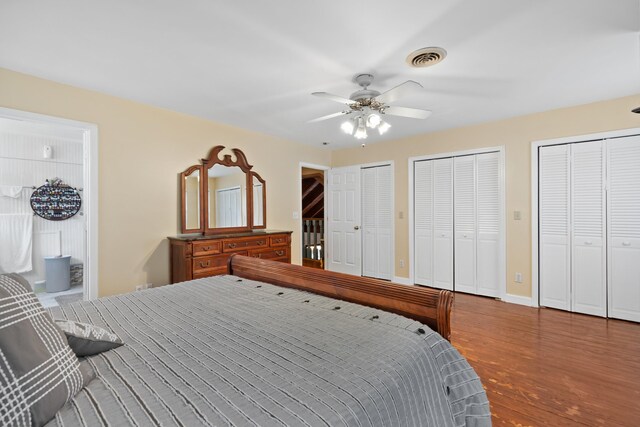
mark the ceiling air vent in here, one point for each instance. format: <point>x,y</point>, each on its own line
<point>426,57</point>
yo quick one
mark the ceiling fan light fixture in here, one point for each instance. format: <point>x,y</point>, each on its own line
<point>383,127</point>
<point>347,127</point>
<point>373,121</point>
<point>361,131</point>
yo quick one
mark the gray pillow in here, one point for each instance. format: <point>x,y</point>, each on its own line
<point>39,372</point>
<point>86,339</point>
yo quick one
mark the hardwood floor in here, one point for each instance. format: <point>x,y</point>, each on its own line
<point>549,367</point>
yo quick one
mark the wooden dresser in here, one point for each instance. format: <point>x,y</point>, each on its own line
<point>194,256</point>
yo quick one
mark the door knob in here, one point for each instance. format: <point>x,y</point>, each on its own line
<point>588,243</point>
<point>356,227</point>
<point>626,243</point>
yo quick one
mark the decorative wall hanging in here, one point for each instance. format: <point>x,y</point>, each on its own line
<point>56,201</point>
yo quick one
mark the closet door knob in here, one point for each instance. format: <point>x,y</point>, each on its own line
<point>588,243</point>
<point>356,227</point>
<point>626,243</point>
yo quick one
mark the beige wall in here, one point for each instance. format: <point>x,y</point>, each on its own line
<point>516,135</point>
<point>141,151</point>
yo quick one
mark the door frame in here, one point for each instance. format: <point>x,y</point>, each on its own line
<point>502,286</point>
<point>90,193</point>
<point>325,169</point>
<point>535,164</point>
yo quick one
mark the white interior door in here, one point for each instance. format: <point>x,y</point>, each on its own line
<point>488,224</point>
<point>443,223</point>
<point>377,222</point>
<point>588,258</point>
<point>423,222</point>
<point>623,167</point>
<point>344,239</point>
<point>464,196</point>
<point>554,227</point>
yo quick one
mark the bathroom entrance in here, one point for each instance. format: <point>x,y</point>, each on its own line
<point>45,206</point>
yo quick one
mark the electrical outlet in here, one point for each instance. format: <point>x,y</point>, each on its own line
<point>518,277</point>
<point>401,263</point>
<point>143,287</point>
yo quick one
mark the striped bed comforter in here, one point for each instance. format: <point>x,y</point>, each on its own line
<point>229,351</point>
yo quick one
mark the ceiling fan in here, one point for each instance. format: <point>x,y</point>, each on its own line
<point>367,106</point>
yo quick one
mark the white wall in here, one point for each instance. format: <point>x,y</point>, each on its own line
<point>22,163</point>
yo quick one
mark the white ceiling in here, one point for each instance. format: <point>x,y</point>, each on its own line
<point>253,64</point>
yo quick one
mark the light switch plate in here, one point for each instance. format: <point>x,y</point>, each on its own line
<point>517,215</point>
<point>295,215</point>
<point>401,215</point>
<point>518,277</point>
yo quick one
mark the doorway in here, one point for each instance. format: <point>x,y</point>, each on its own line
<point>313,216</point>
<point>40,154</point>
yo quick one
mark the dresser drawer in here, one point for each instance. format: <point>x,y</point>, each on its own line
<point>247,243</point>
<point>271,253</point>
<point>209,273</point>
<point>206,248</point>
<point>280,240</point>
<point>206,264</point>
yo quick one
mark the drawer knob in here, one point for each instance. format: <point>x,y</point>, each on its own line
<point>260,242</point>
<point>280,253</point>
<point>205,264</point>
<point>257,255</point>
<point>208,248</point>
<point>232,245</point>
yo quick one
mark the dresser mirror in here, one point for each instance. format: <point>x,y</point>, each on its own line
<point>226,197</point>
<point>222,195</point>
<point>191,197</point>
<point>259,201</point>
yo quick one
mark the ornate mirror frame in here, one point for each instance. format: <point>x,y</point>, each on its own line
<point>241,161</point>
<point>213,158</point>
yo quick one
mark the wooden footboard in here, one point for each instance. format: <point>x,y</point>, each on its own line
<point>429,306</point>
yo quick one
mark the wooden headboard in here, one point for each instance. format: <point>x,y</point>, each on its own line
<point>429,306</point>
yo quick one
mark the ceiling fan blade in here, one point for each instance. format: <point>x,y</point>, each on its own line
<point>404,89</point>
<point>328,116</point>
<point>412,113</point>
<point>332,97</point>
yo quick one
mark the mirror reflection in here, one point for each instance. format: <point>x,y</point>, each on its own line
<point>192,200</point>
<point>258,206</point>
<point>227,197</point>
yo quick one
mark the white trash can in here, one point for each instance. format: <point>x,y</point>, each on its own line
<point>57,274</point>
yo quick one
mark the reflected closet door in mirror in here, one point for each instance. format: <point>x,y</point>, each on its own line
<point>227,192</point>
<point>191,195</point>
<point>226,197</point>
<point>259,201</point>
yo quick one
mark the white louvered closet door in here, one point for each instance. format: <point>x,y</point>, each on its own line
<point>465,223</point>
<point>423,222</point>
<point>623,166</point>
<point>377,222</point>
<point>588,257</point>
<point>443,223</point>
<point>489,219</point>
<point>555,253</point>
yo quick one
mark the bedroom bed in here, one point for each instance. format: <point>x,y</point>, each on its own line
<point>276,344</point>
